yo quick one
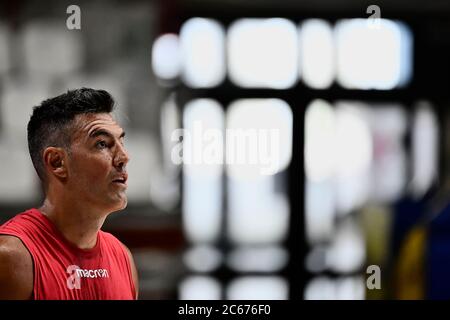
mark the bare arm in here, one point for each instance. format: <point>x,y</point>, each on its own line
<point>16,269</point>
<point>134,272</point>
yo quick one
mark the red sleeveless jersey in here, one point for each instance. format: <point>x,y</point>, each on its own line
<point>63,271</point>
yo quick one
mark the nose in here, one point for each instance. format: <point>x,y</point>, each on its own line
<point>121,157</point>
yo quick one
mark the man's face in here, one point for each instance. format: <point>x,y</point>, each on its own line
<point>97,162</point>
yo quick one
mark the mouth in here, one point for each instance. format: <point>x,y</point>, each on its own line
<point>122,180</point>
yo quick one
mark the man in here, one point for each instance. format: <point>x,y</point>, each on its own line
<point>58,251</point>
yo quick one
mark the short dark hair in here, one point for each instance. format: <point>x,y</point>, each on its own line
<point>50,122</point>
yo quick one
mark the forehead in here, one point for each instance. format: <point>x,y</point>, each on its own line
<point>86,124</point>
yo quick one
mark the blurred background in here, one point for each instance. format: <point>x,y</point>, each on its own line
<point>360,106</point>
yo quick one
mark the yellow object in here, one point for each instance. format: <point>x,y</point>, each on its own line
<point>409,273</point>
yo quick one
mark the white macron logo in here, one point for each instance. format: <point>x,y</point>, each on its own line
<point>76,273</point>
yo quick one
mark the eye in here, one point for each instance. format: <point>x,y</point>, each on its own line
<point>101,144</point>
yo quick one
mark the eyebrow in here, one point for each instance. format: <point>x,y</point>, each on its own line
<point>102,132</point>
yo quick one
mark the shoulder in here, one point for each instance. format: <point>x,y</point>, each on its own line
<point>111,238</point>
<point>16,269</point>
<point>112,241</point>
<point>22,223</point>
<point>108,236</point>
<point>13,250</point>
<point>134,272</point>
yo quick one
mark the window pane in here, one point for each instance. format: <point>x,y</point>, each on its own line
<point>200,288</point>
<point>202,258</point>
<point>258,259</point>
<point>203,52</point>
<point>202,150</point>
<point>325,288</point>
<point>263,53</point>
<point>320,132</point>
<point>259,137</point>
<point>425,138</point>
<point>258,149</point>
<point>258,288</point>
<point>373,57</point>
<point>388,124</point>
<point>317,53</point>
<point>347,250</point>
<point>353,157</point>
<point>166,61</point>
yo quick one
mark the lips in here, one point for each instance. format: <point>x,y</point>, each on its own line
<point>121,179</point>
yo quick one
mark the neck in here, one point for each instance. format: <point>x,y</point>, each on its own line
<point>78,224</point>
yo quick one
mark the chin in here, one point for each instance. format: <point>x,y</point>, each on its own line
<point>120,205</point>
<point>124,205</point>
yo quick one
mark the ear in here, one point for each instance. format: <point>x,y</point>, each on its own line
<point>55,162</point>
